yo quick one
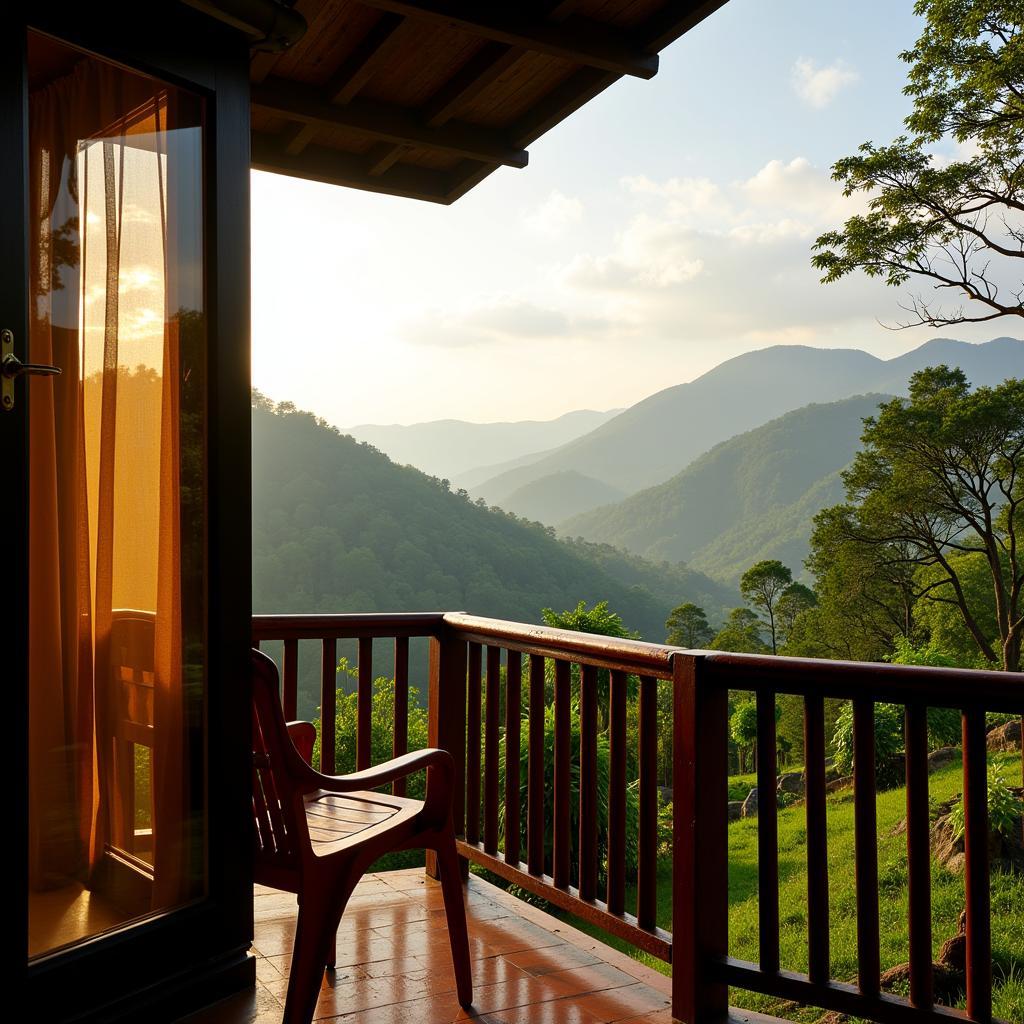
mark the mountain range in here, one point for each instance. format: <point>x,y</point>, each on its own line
<point>751,497</point>
<point>653,440</point>
<point>452,448</point>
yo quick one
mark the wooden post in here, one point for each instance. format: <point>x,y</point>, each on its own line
<point>446,720</point>
<point>700,879</point>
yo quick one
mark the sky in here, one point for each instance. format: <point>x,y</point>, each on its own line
<point>661,229</point>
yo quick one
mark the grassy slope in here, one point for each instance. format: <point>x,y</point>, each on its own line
<point>947,898</point>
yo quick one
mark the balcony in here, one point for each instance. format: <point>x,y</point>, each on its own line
<point>546,831</point>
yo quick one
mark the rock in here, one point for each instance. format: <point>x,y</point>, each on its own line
<point>843,782</point>
<point>1005,737</point>
<point>791,782</point>
<point>749,808</point>
<point>735,810</point>
<point>948,978</point>
<point>665,792</point>
<point>940,758</point>
<point>1005,852</point>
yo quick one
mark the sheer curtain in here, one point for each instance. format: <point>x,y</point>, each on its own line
<point>110,286</point>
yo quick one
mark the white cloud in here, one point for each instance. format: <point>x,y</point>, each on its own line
<point>818,85</point>
<point>491,321</point>
<point>555,215</point>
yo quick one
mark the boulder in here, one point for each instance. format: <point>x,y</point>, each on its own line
<point>1005,852</point>
<point>791,782</point>
<point>749,808</point>
<point>665,793</point>
<point>940,758</point>
<point>735,810</point>
<point>843,782</point>
<point>1004,738</point>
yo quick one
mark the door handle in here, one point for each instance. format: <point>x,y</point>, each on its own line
<point>11,368</point>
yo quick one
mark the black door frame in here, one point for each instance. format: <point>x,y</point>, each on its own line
<point>172,962</point>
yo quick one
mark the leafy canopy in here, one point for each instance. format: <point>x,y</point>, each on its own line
<point>953,226</point>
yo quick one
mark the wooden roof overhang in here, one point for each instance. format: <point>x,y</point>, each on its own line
<point>426,98</point>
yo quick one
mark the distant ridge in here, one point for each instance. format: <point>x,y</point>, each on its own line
<point>656,438</point>
<point>751,497</point>
<point>449,448</point>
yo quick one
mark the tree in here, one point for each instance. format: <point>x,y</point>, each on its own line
<point>741,634</point>
<point>954,226</point>
<point>796,599</point>
<point>743,728</point>
<point>687,626</point>
<point>763,585</point>
<point>940,474</point>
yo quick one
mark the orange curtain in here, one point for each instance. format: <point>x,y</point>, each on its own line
<point>105,488</point>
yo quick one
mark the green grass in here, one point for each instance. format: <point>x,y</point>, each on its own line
<point>947,898</point>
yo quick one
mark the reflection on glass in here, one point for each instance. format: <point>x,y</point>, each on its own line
<point>117,497</point>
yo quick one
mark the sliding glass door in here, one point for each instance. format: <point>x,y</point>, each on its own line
<point>117,495</point>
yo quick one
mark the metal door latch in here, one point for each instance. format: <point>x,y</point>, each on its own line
<point>11,368</point>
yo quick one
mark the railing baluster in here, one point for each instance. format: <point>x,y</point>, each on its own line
<point>617,793</point>
<point>473,746</point>
<point>491,749</point>
<point>818,965</point>
<point>647,840</point>
<point>513,710</point>
<point>588,783</point>
<point>866,846</point>
<point>563,756</point>
<point>535,769</point>
<point>700,841</point>
<point>364,705</point>
<point>290,678</point>
<point>400,745</point>
<point>767,833</point>
<point>919,868</point>
<point>328,689</point>
<point>976,869</point>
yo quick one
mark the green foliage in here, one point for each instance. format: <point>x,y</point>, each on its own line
<point>687,626</point>
<point>937,221</point>
<point>888,741</point>
<point>1004,806</point>
<point>763,585</point>
<point>933,514</point>
<point>600,620</point>
<point>741,634</point>
<point>603,762</point>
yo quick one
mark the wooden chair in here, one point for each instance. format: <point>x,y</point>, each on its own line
<point>317,834</point>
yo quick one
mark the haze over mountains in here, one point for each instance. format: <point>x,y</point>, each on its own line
<point>751,497</point>
<point>450,448</point>
<point>653,440</point>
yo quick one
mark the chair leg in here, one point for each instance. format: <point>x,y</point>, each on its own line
<point>455,912</point>
<point>314,946</point>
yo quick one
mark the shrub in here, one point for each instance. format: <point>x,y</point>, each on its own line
<point>888,742</point>
<point>1004,807</point>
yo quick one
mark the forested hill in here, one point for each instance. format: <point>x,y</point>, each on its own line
<point>749,498</point>
<point>338,527</point>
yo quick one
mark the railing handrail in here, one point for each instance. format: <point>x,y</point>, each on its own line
<point>346,625</point>
<point>878,681</point>
<point>637,656</point>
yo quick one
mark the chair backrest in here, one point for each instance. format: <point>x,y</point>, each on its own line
<point>279,833</point>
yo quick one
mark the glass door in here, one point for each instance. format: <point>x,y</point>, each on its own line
<point>110,384</point>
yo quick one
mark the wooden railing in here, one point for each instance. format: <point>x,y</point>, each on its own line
<point>473,660</point>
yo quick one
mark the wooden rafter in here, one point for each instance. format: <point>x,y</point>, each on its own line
<point>319,163</point>
<point>381,121</point>
<point>577,39</point>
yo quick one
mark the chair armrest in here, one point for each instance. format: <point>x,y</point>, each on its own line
<point>303,737</point>
<point>440,779</point>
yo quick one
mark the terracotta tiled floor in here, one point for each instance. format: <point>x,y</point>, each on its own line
<point>394,964</point>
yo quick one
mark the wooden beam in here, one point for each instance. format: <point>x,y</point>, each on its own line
<point>318,163</point>
<point>360,65</point>
<point>382,157</point>
<point>306,104</point>
<point>488,64</point>
<point>577,39</point>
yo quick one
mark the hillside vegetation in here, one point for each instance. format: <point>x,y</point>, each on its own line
<point>338,527</point>
<point>750,498</point>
